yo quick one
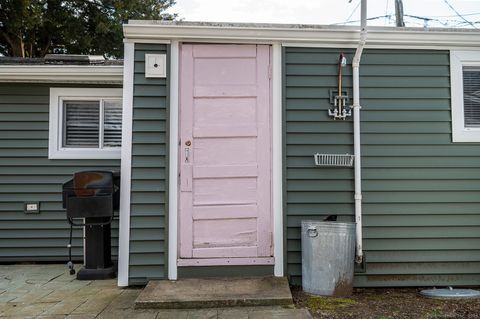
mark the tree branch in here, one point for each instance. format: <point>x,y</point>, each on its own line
<point>6,37</point>
<point>44,51</point>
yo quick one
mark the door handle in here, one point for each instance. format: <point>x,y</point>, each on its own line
<point>187,154</point>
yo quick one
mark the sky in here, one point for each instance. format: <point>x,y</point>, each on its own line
<point>331,12</point>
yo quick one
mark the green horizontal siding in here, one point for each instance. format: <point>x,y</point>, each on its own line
<point>421,192</point>
<point>148,190</point>
<point>27,175</point>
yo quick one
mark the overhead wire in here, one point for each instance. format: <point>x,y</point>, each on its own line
<point>458,14</point>
<point>426,19</point>
<point>354,21</point>
<point>354,10</point>
<point>455,15</point>
<point>460,23</point>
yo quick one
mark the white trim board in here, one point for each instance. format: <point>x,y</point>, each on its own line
<point>173,163</point>
<point>205,41</point>
<point>144,41</point>
<point>324,35</point>
<point>56,123</point>
<point>459,59</point>
<point>277,164</point>
<point>378,46</point>
<point>126,168</point>
<point>62,74</point>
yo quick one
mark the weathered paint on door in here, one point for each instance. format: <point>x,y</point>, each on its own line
<point>225,155</point>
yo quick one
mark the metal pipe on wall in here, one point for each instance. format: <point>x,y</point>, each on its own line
<point>356,133</point>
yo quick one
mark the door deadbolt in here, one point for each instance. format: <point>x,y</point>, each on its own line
<point>188,143</point>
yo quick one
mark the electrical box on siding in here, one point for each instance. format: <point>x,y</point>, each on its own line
<point>155,65</point>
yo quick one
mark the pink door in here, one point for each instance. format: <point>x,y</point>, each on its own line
<point>225,155</point>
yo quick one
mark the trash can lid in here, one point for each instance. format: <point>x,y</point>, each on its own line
<point>322,224</point>
<point>450,293</point>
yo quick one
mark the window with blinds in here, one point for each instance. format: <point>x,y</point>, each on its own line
<point>471,97</point>
<point>92,123</point>
<point>112,123</point>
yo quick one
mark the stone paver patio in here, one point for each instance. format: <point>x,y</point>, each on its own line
<point>48,291</point>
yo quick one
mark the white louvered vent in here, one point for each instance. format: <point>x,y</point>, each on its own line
<point>112,119</point>
<point>471,97</point>
<point>82,127</point>
<point>341,160</point>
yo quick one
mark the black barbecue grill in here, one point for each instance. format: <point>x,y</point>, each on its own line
<point>90,200</point>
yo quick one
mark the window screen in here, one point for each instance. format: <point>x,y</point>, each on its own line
<point>471,96</point>
<point>92,124</point>
<point>81,123</point>
<point>112,119</point>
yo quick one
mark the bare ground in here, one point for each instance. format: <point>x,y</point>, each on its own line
<point>397,303</point>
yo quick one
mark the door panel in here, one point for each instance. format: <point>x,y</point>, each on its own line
<point>225,153</point>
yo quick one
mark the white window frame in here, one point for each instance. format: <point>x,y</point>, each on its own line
<point>459,59</point>
<point>56,150</point>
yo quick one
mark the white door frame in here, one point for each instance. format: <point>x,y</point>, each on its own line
<point>277,182</point>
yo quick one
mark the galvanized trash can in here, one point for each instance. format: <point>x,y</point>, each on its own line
<point>328,256</point>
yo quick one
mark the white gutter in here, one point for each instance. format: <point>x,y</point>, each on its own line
<point>112,74</point>
<point>301,35</point>
<point>356,133</point>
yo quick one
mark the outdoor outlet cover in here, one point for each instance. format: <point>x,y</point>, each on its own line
<point>155,65</point>
<point>32,208</point>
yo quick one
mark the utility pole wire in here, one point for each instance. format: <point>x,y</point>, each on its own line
<point>354,21</point>
<point>458,14</point>
<point>354,10</point>
<point>455,15</point>
<point>428,19</point>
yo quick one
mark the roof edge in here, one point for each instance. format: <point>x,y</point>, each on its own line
<point>289,33</point>
<point>81,74</point>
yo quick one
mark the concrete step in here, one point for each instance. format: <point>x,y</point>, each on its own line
<point>276,312</point>
<point>215,293</point>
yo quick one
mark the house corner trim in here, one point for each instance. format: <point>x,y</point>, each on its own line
<point>173,163</point>
<point>277,179</point>
<point>126,167</point>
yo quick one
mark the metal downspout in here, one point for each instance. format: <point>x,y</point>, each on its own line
<point>356,133</point>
